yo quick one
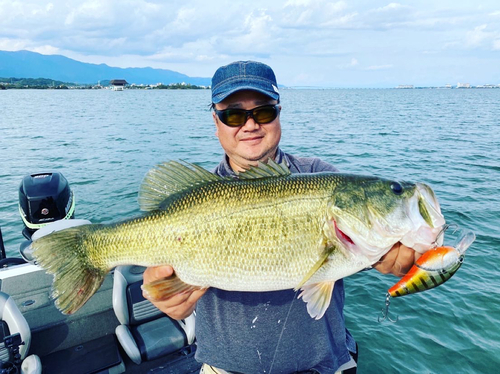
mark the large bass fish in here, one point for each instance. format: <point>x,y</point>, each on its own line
<point>267,230</point>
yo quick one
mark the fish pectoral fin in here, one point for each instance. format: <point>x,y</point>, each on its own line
<point>317,297</point>
<point>316,266</point>
<point>166,288</point>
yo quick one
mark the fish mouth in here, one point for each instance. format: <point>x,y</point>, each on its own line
<point>427,220</point>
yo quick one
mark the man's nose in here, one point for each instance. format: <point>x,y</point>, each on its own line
<point>250,123</point>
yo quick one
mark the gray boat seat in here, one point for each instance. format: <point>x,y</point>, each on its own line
<point>15,339</point>
<point>145,333</point>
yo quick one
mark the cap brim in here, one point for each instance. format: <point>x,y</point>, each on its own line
<point>216,99</point>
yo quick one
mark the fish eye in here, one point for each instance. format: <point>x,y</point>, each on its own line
<point>397,188</point>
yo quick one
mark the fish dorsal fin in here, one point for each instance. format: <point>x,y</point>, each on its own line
<point>271,169</point>
<point>169,178</point>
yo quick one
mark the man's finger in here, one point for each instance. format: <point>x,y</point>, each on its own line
<point>155,273</point>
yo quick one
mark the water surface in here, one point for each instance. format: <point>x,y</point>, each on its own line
<point>104,142</point>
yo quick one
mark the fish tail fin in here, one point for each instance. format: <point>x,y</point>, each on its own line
<point>65,255</point>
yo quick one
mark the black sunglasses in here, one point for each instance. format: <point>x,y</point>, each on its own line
<point>238,117</point>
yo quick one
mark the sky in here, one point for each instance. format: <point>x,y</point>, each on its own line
<point>314,43</point>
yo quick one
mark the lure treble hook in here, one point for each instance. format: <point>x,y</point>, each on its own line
<point>463,241</point>
<point>439,238</point>
<point>434,267</point>
<point>385,311</point>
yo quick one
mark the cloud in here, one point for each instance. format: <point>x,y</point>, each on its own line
<point>317,38</point>
<point>315,14</point>
<point>379,67</point>
<point>482,37</point>
<point>476,37</point>
<point>7,44</point>
<point>199,50</point>
<point>305,79</point>
<point>351,64</point>
<point>177,28</point>
<point>389,16</point>
<point>46,50</point>
<point>258,35</point>
<point>354,64</point>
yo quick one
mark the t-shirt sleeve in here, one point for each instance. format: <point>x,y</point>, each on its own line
<point>319,165</point>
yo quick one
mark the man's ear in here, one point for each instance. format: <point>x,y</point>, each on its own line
<point>216,125</point>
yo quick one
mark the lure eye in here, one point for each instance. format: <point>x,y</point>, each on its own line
<point>396,188</point>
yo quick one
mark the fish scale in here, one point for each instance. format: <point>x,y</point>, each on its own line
<point>231,232</point>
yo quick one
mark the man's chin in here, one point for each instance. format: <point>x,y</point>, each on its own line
<point>259,158</point>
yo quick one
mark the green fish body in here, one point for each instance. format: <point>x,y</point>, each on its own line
<point>267,230</point>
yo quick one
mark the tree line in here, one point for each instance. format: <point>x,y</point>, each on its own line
<point>46,83</point>
<point>41,83</point>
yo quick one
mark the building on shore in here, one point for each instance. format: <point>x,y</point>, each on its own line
<point>463,85</point>
<point>118,84</point>
<point>405,86</point>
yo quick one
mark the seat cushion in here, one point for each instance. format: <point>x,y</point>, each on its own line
<point>140,310</point>
<point>159,337</point>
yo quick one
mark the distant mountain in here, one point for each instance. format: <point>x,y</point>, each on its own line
<point>25,64</point>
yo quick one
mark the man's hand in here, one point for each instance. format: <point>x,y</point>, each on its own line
<point>397,261</point>
<point>179,306</point>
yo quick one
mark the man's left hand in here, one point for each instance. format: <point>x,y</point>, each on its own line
<point>397,261</point>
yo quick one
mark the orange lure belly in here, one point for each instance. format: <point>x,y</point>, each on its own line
<point>432,269</point>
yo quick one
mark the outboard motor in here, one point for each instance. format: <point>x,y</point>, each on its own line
<point>44,198</point>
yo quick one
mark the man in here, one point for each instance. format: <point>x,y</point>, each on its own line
<point>250,332</point>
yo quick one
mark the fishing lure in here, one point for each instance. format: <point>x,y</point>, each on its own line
<point>432,269</point>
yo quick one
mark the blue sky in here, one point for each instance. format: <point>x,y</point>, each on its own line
<point>307,42</point>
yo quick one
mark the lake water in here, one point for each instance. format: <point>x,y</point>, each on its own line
<point>104,142</point>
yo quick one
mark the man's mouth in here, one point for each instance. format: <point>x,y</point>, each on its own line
<point>253,138</point>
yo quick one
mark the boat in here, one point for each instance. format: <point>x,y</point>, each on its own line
<point>116,331</point>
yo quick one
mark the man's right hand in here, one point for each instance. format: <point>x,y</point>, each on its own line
<point>179,306</point>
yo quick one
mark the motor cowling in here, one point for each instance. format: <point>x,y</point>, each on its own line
<point>44,198</point>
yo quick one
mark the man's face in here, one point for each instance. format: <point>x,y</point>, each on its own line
<point>250,143</point>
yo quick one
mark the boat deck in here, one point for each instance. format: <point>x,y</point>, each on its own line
<point>84,342</point>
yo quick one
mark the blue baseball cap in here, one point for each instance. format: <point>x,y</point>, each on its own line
<point>244,75</point>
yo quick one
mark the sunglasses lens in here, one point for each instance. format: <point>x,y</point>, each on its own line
<point>265,114</point>
<point>233,117</point>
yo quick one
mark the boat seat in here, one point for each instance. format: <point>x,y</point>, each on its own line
<point>15,339</point>
<point>145,333</point>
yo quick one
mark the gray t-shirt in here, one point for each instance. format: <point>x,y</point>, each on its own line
<point>254,332</point>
